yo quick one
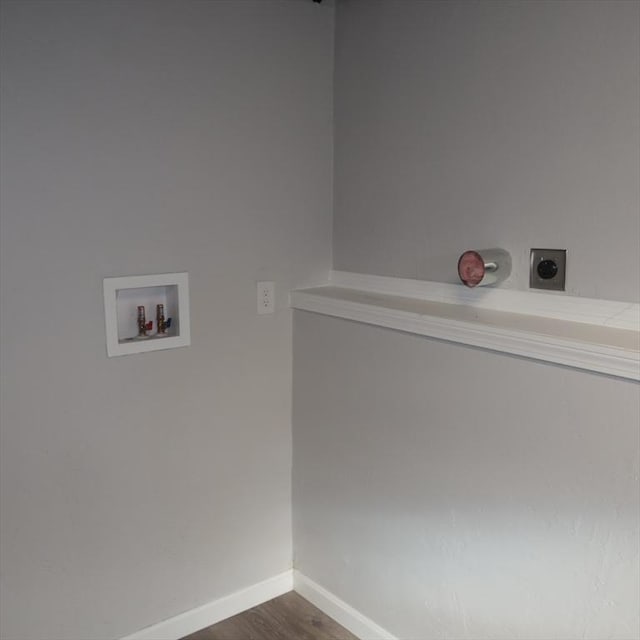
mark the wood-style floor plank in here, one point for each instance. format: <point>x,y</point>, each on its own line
<point>289,617</point>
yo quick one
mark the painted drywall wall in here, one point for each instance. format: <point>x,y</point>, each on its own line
<point>466,125</point>
<point>450,492</point>
<point>150,137</point>
<point>454,493</point>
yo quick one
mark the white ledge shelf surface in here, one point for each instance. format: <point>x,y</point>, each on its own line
<point>594,335</point>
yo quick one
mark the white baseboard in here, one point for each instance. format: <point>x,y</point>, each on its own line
<point>339,610</point>
<point>223,608</point>
<point>212,612</point>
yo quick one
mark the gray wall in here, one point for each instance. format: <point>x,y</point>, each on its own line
<point>153,136</point>
<point>448,492</point>
<point>150,137</point>
<point>443,491</point>
<point>477,124</point>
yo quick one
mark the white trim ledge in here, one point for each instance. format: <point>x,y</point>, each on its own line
<point>217,610</point>
<point>352,620</point>
<point>594,335</point>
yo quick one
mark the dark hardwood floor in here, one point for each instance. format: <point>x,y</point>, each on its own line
<point>289,617</point>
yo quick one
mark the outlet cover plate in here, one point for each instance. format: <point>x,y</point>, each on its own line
<point>557,281</point>
<point>266,297</point>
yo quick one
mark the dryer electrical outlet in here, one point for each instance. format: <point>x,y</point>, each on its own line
<point>548,269</point>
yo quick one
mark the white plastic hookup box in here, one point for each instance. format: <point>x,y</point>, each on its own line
<point>123,296</point>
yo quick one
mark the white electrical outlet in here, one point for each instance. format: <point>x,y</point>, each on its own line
<point>266,297</point>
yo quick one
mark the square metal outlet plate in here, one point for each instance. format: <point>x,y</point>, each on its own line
<point>547,269</point>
